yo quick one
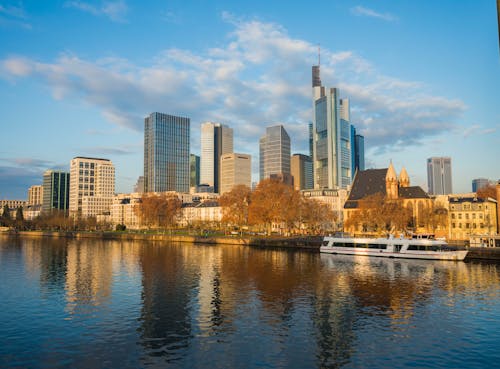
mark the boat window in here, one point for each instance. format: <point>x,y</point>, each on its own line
<point>374,246</point>
<point>412,247</point>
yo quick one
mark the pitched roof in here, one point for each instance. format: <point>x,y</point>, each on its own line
<point>372,181</point>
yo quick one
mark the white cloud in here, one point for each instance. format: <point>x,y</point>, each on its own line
<point>11,15</point>
<point>114,10</point>
<point>366,12</point>
<point>260,77</point>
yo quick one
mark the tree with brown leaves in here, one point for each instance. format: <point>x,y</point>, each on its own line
<point>235,204</point>
<point>158,210</point>
<point>488,191</point>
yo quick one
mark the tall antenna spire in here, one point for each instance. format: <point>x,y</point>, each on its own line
<point>319,55</point>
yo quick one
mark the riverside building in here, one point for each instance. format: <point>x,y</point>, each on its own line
<point>166,153</point>
<point>92,186</point>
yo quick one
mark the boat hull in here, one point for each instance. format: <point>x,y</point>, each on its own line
<point>428,255</point>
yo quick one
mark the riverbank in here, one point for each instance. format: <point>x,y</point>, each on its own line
<point>310,242</point>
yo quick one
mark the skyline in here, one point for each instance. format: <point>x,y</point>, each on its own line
<point>422,80</point>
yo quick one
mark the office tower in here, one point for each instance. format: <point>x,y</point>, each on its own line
<point>35,195</point>
<point>310,126</point>
<point>194,170</point>
<point>275,155</point>
<point>479,183</point>
<point>235,169</point>
<point>302,172</point>
<point>439,175</point>
<point>55,191</point>
<point>216,140</point>
<point>331,137</point>
<point>91,186</point>
<point>139,185</point>
<point>166,153</point>
<point>357,151</point>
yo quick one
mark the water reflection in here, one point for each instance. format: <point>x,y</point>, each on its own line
<point>140,304</point>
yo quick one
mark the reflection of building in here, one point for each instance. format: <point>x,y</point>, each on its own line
<point>235,169</point>
<point>55,191</point>
<point>275,155</point>
<point>439,176</point>
<point>166,153</point>
<point>302,172</point>
<point>35,195</point>
<point>216,140</point>
<point>92,186</point>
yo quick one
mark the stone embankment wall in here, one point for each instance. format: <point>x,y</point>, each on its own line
<point>311,243</point>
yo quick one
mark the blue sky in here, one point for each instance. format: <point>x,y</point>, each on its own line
<point>77,78</point>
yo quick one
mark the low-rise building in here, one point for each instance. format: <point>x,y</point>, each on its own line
<point>335,199</point>
<point>207,212</point>
<point>471,215</point>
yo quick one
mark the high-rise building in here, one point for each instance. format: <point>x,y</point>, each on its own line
<point>55,191</point>
<point>302,172</point>
<point>194,170</point>
<point>357,151</point>
<point>92,186</point>
<point>275,154</point>
<point>35,195</point>
<point>235,169</point>
<point>166,153</point>
<point>479,183</point>
<point>332,164</point>
<point>439,175</point>
<point>139,185</point>
<point>216,140</point>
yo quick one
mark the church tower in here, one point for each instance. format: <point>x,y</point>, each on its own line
<point>391,183</point>
<point>404,179</point>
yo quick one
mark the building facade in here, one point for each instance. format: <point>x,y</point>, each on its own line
<point>302,171</point>
<point>35,195</point>
<point>275,154</point>
<point>56,186</point>
<point>92,186</point>
<point>439,176</point>
<point>235,169</point>
<point>166,153</point>
<point>194,170</point>
<point>479,183</point>
<point>332,164</point>
<point>471,215</point>
<point>216,140</point>
<point>357,151</point>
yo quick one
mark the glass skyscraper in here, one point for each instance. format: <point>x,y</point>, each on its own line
<point>166,153</point>
<point>275,154</point>
<point>216,140</point>
<point>332,162</point>
<point>55,191</point>
<point>439,175</point>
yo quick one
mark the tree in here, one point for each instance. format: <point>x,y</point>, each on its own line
<point>158,210</point>
<point>316,216</point>
<point>235,204</point>
<point>6,219</point>
<point>19,214</point>
<point>274,202</point>
<point>488,191</point>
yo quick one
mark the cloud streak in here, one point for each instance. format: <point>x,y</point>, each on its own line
<point>260,77</point>
<point>367,12</point>
<point>114,10</point>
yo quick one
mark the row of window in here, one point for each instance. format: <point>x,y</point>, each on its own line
<point>467,225</point>
<point>466,216</point>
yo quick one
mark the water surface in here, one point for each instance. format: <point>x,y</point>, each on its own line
<point>128,304</point>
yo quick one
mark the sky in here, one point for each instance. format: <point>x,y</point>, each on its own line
<point>77,78</point>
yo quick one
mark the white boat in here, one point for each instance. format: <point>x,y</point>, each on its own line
<point>392,247</point>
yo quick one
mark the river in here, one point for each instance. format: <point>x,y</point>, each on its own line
<point>137,304</point>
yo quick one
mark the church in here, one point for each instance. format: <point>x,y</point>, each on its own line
<point>386,182</point>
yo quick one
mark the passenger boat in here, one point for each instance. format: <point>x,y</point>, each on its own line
<point>392,247</point>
